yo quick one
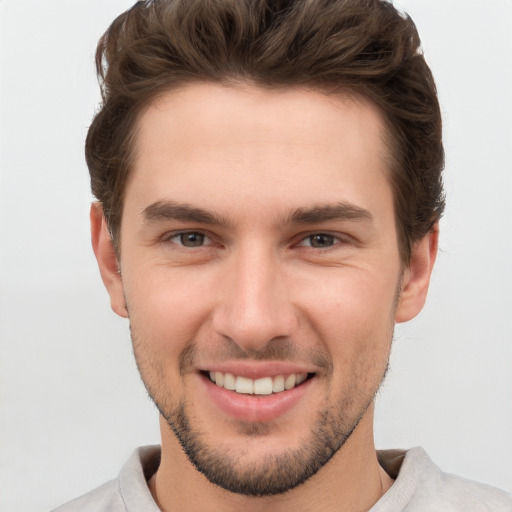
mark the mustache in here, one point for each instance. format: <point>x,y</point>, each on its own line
<point>278,349</point>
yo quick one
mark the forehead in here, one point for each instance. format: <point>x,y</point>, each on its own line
<point>257,147</point>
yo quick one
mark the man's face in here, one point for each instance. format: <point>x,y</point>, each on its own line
<point>258,248</point>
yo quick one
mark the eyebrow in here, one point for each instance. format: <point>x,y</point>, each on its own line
<point>170,210</point>
<point>323,213</point>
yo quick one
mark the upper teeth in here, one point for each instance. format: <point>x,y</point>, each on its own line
<point>263,386</point>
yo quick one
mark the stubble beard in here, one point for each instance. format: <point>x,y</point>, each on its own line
<point>271,474</point>
<point>274,473</point>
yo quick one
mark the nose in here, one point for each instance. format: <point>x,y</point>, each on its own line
<point>254,305</point>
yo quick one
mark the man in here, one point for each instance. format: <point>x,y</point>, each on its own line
<point>268,177</point>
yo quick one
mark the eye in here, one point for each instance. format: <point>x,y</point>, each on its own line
<point>190,239</point>
<point>319,241</point>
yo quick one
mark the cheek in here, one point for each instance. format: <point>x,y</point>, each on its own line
<point>166,309</point>
<point>353,317</point>
<point>357,333</point>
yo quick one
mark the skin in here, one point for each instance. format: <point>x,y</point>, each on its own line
<point>260,288</point>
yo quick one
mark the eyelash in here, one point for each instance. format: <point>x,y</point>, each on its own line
<point>334,238</point>
<point>170,237</point>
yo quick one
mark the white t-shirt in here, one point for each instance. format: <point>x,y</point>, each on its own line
<point>420,486</point>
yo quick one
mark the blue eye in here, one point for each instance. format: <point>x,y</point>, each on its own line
<point>320,241</point>
<point>190,239</point>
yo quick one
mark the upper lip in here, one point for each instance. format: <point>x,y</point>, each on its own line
<point>257,370</point>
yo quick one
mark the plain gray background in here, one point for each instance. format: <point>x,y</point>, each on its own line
<point>71,404</point>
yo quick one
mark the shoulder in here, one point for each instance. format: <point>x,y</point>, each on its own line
<point>473,496</point>
<point>105,498</point>
<point>127,493</point>
<point>421,486</point>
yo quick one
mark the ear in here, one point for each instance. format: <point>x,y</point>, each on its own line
<point>107,260</point>
<point>416,277</point>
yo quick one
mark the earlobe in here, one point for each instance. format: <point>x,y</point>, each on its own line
<point>107,260</point>
<point>416,278</point>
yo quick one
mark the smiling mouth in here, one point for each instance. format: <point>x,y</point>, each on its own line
<point>262,386</point>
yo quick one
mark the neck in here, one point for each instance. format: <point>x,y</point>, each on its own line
<point>351,481</point>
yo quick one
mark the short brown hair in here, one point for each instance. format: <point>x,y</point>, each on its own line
<point>363,47</point>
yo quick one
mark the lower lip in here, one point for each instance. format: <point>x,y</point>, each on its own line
<point>255,408</point>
